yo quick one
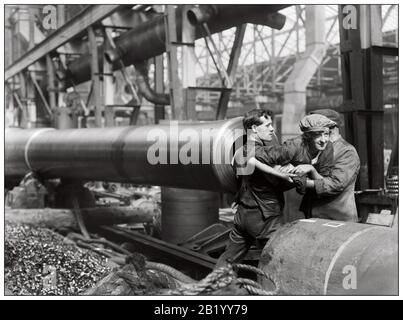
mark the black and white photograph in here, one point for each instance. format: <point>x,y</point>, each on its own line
<point>238,151</point>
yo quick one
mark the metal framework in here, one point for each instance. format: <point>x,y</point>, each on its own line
<point>68,31</point>
<point>263,64</point>
<point>268,57</point>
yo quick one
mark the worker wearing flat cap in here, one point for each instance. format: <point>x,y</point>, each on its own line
<point>308,155</point>
<point>335,192</point>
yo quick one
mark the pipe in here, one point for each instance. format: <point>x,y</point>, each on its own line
<point>191,155</point>
<point>255,14</point>
<point>144,86</point>
<point>147,40</point>
<point>325,257</point>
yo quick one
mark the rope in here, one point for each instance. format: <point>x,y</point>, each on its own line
<point>260,272</point>
<point>219,278</point>
<point>258,292</point>
<point>248,282</point>
<point>176,274</point>
<point>254,288</point>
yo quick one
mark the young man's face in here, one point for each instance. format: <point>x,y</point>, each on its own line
<point>320,140</point>
<point>265,130</point>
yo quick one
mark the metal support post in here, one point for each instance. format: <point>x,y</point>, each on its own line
<point>219,63</point>
<point>353,95</point>
<point>51,82</point>
<point>23,94</point>
<point>108,84</point>
<point>188,65</point>
<point>175,88</point>
<point>136,100</point>
<point>159,111</point>
<point>95,77</point>
<point>41,94</point>
<point>231,70</point>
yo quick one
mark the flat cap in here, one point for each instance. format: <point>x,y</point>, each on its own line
<point>330,114</point>
<point>315,123</point>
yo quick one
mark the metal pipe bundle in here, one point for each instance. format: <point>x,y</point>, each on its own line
<point>127,154</point>
<point>147,40</point>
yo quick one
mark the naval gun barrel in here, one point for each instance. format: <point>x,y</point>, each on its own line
<point>182,155</point>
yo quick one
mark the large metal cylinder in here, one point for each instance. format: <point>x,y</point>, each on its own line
<point>192,156</point>
<point>187,212</point>
<point>324,257</point>
<point>147,40</point>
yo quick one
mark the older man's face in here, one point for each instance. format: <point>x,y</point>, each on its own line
<point>265,131</point>
<point>320,140</point>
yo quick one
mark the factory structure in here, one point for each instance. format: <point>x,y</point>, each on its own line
<point>122,123</point>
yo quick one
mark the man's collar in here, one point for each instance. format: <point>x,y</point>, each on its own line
<point>253,138</point>
<point>257,141</point>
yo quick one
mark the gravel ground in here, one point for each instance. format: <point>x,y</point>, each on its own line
<point>39,261</point>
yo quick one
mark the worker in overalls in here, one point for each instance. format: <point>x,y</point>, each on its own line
<point>260,197</point>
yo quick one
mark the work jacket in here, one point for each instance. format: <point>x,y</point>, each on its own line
<point>335,192</point>
<point>296,152</point>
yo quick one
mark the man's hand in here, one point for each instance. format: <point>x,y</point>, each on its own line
<point>303,169</point>
<point>300,183</point>
<point>285,172</point>
<point>288,168</point>
<point>288,177</point>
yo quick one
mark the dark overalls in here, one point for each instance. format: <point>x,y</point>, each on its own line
<point>260,204</point>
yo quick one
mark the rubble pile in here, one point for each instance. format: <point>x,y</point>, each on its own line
<point>41,262</point>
